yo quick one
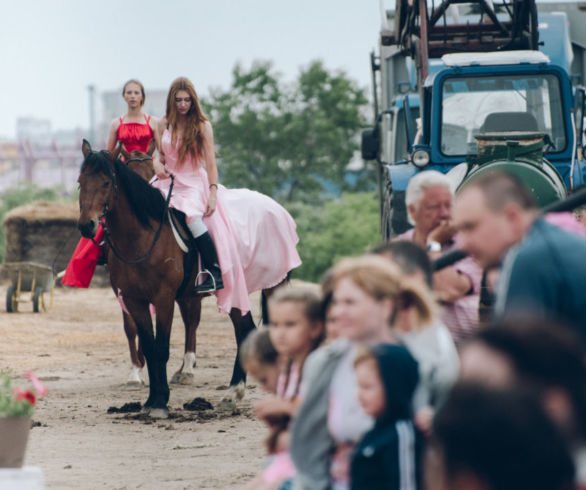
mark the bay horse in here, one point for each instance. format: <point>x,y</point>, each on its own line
<point>146,264</point>
<point>142,164</point>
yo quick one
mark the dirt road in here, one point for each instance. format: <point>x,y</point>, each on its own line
<point>79,350</point>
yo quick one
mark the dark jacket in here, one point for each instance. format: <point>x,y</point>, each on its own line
<point>387,457</point>
<point>544,275</point>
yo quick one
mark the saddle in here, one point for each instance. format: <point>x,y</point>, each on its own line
<point>186,244</point>
<point>180,231</point>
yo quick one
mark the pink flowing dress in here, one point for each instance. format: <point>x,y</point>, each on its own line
<point>255,237</point>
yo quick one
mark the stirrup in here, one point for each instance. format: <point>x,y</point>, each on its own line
<point>208,290</point>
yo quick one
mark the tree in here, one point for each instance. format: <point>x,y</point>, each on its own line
<point>286,140</point>
<point>343,227</point>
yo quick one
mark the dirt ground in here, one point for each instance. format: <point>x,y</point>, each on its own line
<point>80,352</point>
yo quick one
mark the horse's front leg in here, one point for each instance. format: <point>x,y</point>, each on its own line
<point>139,311</point>
<point>164,320</point>
<point>136,356</point>
<point>191,313</point>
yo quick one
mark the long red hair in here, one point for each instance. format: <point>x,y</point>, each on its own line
<point>193,139</point>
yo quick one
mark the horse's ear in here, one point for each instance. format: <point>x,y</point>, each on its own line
<point>86,148</point>
<point>115,154</point>
<point>124,151</point>
<point>151,148</point>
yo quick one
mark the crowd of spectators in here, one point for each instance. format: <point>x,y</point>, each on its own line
<point>387,379</point>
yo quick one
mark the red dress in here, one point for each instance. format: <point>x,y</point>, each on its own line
<point>81,267</point>
<point>135,136</point>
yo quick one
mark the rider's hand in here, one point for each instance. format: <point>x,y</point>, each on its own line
<point>161,170</point>
<point>211,206</point>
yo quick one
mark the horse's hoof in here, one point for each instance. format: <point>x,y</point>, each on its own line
<point>134,378</point>
<point>159,413</point>
<point>131,383</point>
<point>226,404</point>
<point>145,409</point>
<point>239,390</point>
<point>183,378</point>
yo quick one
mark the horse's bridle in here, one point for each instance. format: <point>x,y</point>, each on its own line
<point>102,219</point>
<point>144,159</point>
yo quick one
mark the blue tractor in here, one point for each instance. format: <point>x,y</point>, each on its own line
<point>466,87</point>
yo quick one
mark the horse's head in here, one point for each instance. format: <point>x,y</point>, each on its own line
<point>140,162</point>
<point>97,186</point>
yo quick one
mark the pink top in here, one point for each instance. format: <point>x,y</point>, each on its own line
<point>460,316</point>
<point>255,237</point>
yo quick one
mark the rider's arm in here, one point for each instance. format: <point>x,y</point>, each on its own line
<point>210,156</point>
<point>112,136</point>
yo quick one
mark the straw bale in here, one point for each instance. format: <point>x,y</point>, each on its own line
<point>45,233</point>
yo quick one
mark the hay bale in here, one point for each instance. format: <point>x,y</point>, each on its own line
<point>46,233</point>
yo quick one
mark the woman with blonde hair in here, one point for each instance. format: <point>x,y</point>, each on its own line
<point>369,294</point>
<point>246,240</point>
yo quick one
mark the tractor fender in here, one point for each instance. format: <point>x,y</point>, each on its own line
<point>398,176</point>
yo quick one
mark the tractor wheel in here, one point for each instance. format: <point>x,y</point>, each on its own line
<point>394,214</point>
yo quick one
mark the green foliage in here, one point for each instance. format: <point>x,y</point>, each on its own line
<point>18,196</point>
<point>340,228</point>
<point>286,140</point>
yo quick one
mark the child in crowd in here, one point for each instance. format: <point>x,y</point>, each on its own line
<point>428,341</point>
<point>387,455</point>
<point>260,359</point>
<point>296,329</point>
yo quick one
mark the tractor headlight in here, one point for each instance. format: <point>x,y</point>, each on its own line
<point>420,157</point>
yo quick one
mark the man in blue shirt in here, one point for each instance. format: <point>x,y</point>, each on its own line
<point>543,268</point>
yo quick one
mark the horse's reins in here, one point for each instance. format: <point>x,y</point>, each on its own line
<point>157,234</point>
<point>137,160</point>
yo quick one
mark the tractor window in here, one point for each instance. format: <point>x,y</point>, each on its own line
<point>401,152</point>
<point>489,104</point>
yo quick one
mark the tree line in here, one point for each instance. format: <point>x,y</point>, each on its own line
<point>293,141</point>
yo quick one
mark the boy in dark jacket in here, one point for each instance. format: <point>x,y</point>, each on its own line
<point>387,456</point>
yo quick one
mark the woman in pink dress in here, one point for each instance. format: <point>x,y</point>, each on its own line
<point>135,130</point>
<point>245,239</point>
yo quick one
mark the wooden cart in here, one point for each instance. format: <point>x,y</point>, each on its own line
<point>29,283</point>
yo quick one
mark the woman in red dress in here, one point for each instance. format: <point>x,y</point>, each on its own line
<point>135,130</point>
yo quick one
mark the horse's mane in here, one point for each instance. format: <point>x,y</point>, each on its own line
<point>146,202</point>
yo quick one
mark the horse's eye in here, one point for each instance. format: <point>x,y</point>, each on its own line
<point>106,184</point>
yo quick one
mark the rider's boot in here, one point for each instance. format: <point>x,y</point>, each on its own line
<point>210,265</point>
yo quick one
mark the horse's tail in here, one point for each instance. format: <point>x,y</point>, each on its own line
<point>264,300</point>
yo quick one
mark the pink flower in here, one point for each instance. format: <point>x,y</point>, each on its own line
<point>40,388</point>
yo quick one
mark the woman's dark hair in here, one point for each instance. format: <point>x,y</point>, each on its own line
<point>503,437</point>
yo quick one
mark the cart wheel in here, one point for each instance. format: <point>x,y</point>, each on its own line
<point>11,300</point>
<point>38,300</point>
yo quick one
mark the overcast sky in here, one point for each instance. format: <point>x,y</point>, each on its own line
<point>51,50</point>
